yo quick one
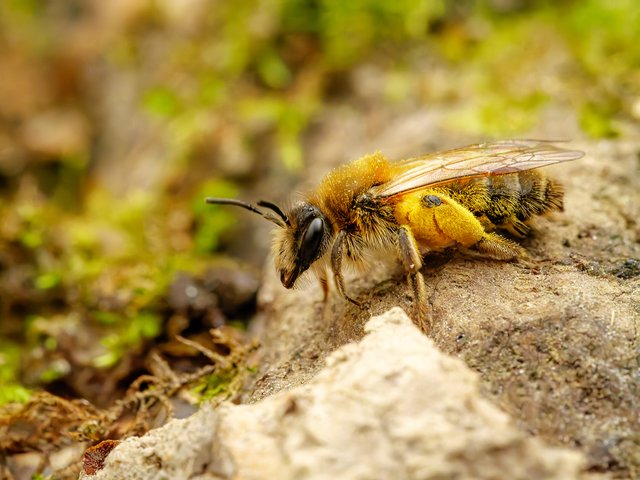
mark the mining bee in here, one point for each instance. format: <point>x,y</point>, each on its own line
<point>408,208</point>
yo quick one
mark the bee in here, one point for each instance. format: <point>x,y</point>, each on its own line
<point>457,198</point>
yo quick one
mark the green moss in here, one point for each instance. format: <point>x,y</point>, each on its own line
<point>10,389</point>
<point>211,220</point>
<point>9,360</point>
<point>31,238</point>
<point>161,101</point>
<point>128,336</point>
<point>25,22</point>
<point>14,393</point>
<point>498,115</point>
<point>273,70</point>
<point>350,30</point>
<point>27,7</point>
<point>55,370</point>
<point>596,119</point>
<point>215,385</point>
<point>48,280</point>
<point>107,318</point>
<point>604,35</point>
<point>510,61</point>
<point>211,90</point>
<point>33,227</point>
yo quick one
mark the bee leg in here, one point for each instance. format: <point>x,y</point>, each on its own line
<point>492,245</point>
<point>336,266</point>
<point>412,262</point>
<point>324,284</point>
<point>422,310</point>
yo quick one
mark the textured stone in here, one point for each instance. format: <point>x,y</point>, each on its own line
<point>390,406</point>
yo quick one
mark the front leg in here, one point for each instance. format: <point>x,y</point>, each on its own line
<point>336,266</point>
<point>324,284</point>
<point>412,263</point>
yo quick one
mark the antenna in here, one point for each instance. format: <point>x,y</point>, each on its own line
<point>281,221</point>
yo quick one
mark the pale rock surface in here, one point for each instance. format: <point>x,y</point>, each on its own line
<point>390,406</point>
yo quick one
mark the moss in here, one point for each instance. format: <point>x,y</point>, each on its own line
<point>215,385</point>
<point>211,221</point>
<point>128,336</point>
<point>499,115</point>
<point>350,30</point>
<point>10,389</point>
<point>48,280</point>
<point>161,101</point>
<point>596,120</point>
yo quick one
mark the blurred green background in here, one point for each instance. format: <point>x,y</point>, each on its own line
<point>117,117</point>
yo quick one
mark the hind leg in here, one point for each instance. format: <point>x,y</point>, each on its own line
<point>493,246</point>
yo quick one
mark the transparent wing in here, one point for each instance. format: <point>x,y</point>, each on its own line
<point>484,159</point>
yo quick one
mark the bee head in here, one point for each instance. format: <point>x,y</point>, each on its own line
<point>302,236</point>
<point>304,241</point>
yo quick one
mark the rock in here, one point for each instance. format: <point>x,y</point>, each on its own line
<point>555,339</point>
<point>391,406</point>
<point>179,450</point>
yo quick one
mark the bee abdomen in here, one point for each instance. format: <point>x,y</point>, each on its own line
<point>538,194</point>
<point>515,198</point>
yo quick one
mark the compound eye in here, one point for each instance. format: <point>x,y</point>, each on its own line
<point>311,241</point>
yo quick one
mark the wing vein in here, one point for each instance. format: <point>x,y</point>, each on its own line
<point>498,158</point>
